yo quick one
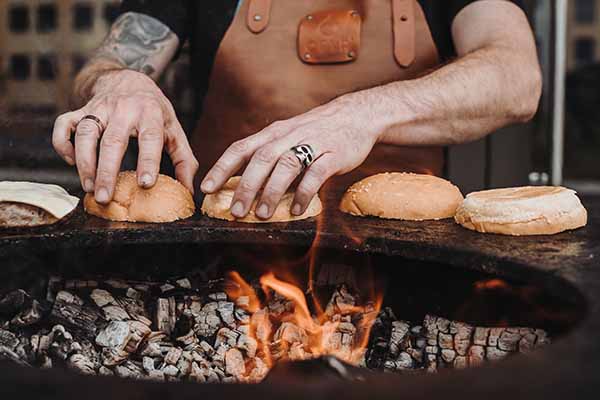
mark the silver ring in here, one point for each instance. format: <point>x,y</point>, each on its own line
<point>304,153</point>
<point>95,120</point>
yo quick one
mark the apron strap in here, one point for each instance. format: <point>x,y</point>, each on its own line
<point>403,23</point>
<point>257,18</point>
<point>403,26</point>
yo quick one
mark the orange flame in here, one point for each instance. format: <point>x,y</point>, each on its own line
<point>491,284</point>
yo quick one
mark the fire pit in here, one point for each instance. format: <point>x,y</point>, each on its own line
<point>389,296</point>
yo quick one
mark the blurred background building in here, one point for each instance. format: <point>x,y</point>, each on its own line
<point>43,43</point>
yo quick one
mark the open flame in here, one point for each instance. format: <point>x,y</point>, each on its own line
<point>286,329</point>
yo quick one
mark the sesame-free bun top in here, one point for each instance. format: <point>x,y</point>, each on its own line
<point>529,210</point>
<point>216,205</point>
<point>167,201</point>
<point>405,196</point>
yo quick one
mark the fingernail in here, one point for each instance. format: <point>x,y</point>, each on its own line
<point>208,185</point>
<point>263,211</point>
<point>88,185</point>
<point>296,209</point>
<point>102,195</point>
<point>146,180</point>
<point>237,209</point>
<point>69,160</point>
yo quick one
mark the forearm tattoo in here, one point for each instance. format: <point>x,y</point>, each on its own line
<point>139,42</point>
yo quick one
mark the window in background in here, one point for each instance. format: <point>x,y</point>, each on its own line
<point>82,17</point>
<point>18,17</point>
<point>585,51</point>
<point>585,11</point>
<point>46,70</point>
<point>20,67</point>
<point>46,18</point>
<point>111,12</point>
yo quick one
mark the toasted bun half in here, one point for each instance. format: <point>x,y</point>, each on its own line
<point>530,210</point>
<point>167,201</point>
<point>217,205</point>
<point>405,196</point>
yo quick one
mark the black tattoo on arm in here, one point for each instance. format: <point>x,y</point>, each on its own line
<point>139,42</point>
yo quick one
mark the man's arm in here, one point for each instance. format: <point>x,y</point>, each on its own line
<point>495,81</point>
<point>137,42</point>
<point>116,87</point>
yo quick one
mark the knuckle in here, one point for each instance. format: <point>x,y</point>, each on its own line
<point>86,129</point>
<point>265,155</point>
<point>245,187</point>
<point>110,141</point>
<point>318,170</point>
<point>239,147</point>
<point>104,174</point>
<point>290,162</point>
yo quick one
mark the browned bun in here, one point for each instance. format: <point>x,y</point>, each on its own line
<point>399,195</point>
<point>167,201</point>
<point>530,210</point>
<point>217,205</point>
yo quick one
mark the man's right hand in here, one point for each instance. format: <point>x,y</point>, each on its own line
<point>128,103</point>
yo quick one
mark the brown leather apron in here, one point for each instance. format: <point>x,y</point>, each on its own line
<point>259,77</point>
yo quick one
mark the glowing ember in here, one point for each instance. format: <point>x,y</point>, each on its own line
<point>285,328</point>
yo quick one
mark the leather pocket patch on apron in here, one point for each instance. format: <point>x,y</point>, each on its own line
<point>329,37</point>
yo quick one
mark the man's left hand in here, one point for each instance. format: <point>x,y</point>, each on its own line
<point>340,133</point>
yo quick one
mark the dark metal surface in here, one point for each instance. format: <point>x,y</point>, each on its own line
<point>567,369</point>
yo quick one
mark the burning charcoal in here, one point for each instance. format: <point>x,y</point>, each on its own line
<point>242,316</point>
<point>218,296</point>
<point>133,294</point>
<point>398,336</point>
<point>112,356</point>
<point>80,284</point>
<point>53,287</point>
<point>460,362</point>
<point>226,336</point>
<point>70,311</point>
<point>184,366</point>
<point>184,283</point>
<point>129,369</point>
<point>476,355</point>
<point>234,363</point>
<point>509,340</point>
<point>10,355</point>
<point>448,355</point>
<point>493,353</point>
<point>29,316</point>
<point>445,340</point>
<point>102,297</point>
<point>212,377</point>
<point>225,309</point>
<point>291,333</point>
<point>148,364</point>
<point>260,320</point>
<point>170,370</point>
<point>81,364</point>
<point>243,301</point>
<point>480,336</point>
<point>14,302</point>
<point>165,315</point>
<point>8,339</point>
<point>105,371</point>
<point>297,352</point>
<point>207,348</point>
<point>379,341</point>
<point>156,376</point>
<point>494,336</point>
<point>166,287</point>
<point>462,337</point>
<point>342,302</point>
<point>248,344</point>
<point>115,313</point>
<point>116,335</point>
<point>259,371</point>
<point>138,332</point>
<point>196,374</point>
<point>173,355</point>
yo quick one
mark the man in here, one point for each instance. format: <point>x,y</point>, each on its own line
<point>307,89</point>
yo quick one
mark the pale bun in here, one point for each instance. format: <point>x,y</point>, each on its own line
<point>217,205</point>
<point>405,196</point>
<point>529,210</point>
<point>167,201</point>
